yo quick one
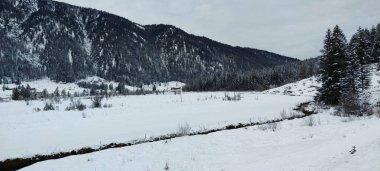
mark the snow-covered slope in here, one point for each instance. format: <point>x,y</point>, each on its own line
<point>41,84</point>
<point>306,87</point>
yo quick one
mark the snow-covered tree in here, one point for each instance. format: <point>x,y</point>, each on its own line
<point>375,53</point>
<point>332,66</point>
<point>363,57</point>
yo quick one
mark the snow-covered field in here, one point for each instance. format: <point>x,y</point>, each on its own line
<point>292,146</point>
<point>25,132</point>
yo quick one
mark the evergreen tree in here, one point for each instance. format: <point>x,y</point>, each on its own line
<point>154,87</point>
<point>92,92</point>
<point>350,93</point>
<point>15,94</point>
<point>375,53</point>
<point>363,57</point>
<point>121,88</point>
<point>63,93</point>
<point>56,92</point>
<point>332,66</point>
<point>45,93</point>
<point>28,92</point>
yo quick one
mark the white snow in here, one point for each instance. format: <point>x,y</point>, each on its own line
<point>307,87</point>
<point>129,118</point>
<point>70,57</point>
<point>164,86</point>
<point>292,147</point>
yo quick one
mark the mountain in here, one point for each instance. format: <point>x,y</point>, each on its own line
<point>41,38</point>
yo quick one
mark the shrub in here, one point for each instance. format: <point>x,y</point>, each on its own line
<point>284,114</point>
<point>311,121</point>
<point>348,119</point>
<point>76,105</point>
<point>107,105</point>
<point>262,127</point>
<point>235,97</point>
<point>37,109</point>
<point>97,102</point>
<point>166,166</point>
<point>274,126</point>
<point>48,106</point>
<point>184,129</point>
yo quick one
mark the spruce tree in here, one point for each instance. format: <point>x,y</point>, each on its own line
<point>45,93</point>
<point>332,66</point>
<point>15,94</point>
<point>56,92</point>
<point>375,53</point>
<point>350,92</point>
<point>363,56</point>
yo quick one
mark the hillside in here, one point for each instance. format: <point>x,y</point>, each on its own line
<point>66,43</point>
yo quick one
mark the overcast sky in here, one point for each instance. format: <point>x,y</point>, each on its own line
<point>293,28</point>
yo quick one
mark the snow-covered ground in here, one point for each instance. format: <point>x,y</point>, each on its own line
<point>129,118</point>
<point>293,146</point>
<point>164,86</point>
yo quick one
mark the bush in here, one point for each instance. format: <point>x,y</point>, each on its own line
<point>311,121</point>
<point>274,126</point>
<point>97,102</point>
<point>166,166</point>
<point>107,105</point>
<point>348,119</point>
<point>235,97</point>
<point>284,114</point>
<point>48,106</point>
<point>37,109</point>
<point>184,129</point>
<point>76,105</point>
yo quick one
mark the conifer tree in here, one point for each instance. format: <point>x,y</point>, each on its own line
<point>363,57</point>
<point>350,92</point>
<point>375,53</point>
<point>56,92</point>
<point>332,66</point>
<point>15,94</point>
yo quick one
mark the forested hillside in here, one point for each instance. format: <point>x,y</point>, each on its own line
<point>41,38</point>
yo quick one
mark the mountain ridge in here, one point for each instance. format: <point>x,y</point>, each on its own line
<point>67,43</point>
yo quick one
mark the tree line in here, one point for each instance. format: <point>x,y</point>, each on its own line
<point>345,69</point>
<point>256,79</point>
